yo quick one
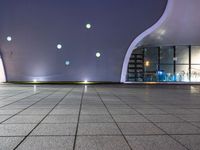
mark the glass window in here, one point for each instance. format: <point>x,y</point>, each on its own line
<point>167,68</point>
<point>151,55</point>
<point>182,73</point>
<point>151,68</point>
<point>195,55</point>
<point>182,54</point>
<point>166,55</point>
<point>195,73</point>
<point>168,72</point>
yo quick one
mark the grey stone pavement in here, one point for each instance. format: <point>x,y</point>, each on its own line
<point>99,117</point>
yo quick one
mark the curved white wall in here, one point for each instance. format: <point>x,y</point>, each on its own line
<point>2,71</point>
<point>135,43</point>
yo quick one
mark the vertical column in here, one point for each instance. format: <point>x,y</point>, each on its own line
<point>2,71</point>
<point>174,61</point>
<point>190,48</point>
<point>144,69</point>
<point>158,58</point>
<point>135,66</point>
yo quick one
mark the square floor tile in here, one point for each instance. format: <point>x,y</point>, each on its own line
<point>179,111</point>
<point>15,129</point>
<point>101,143</point>
<point>118,106</point>
<point>26,119</point>
<point>160,142</point>
<point>196,124</point>
<point>47,143</point>
<point>196,111</point>
<point>163,118</point>
<point>151,111</point>
<point>4,117</point>
<point>9,143</point>
<point>191,118</point>
<point>142,106</point>
<point>123,111</point>
<point>94,111</point>
<point>192,142</point>
<point>15,107</point>
<point>178,128</point>
<point>139,128</point>
<point>62,111</point>
<point>61,119</point>
<point>55,129</point>
<point>96,118</point>
<point>93,106</point>
<point>9,111</point>
<point>98,129</point>
<point>35,112</point>
<point>113,102</point>
<point>64,106</point>
<point>129,118</point>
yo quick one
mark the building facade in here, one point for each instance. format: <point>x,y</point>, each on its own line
<point>94,40</point>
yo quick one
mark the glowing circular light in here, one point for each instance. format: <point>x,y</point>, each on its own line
<point>59,46</point>
<point>98,54</point>
<point>147,64</point>
<point>67,63</point>
<point>85,81</point>
<point>160,72</point>
<point>34,80</point>
<point>9,38</point>
<point>88,26</point>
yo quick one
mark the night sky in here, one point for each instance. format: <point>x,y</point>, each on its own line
<point>37,26</point>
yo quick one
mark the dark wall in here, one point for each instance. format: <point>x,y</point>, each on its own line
<point>37,26</point>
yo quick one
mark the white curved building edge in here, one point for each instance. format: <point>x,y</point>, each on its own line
<point>135,43</point>
<point>2,71</point>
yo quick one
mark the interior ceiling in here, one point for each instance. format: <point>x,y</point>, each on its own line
<point>181,27</point>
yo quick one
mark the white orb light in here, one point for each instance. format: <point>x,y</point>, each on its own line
<point>59,46</point>
<point>67,62</point>
<point>9,38</point>
<point>98,54</point>
<point>34,80</point>
<point>88,26</point>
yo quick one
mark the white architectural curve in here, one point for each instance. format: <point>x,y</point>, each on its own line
<point>2,71</point>
<point>135,43</point>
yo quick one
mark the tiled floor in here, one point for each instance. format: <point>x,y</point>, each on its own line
<point>99,117</point>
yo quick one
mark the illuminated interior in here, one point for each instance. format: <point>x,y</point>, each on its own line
<point>165,64</point>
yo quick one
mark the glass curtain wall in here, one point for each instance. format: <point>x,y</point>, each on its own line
<point>195,63</point>
<point>182,63</point>
<point>171,63</point>
<point>167,63</point>
<point>150,64</point>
